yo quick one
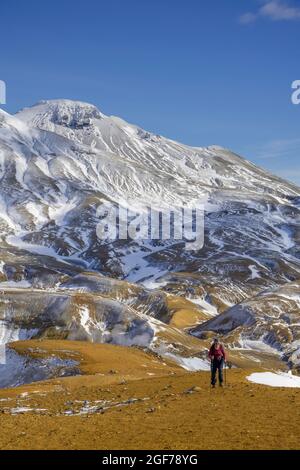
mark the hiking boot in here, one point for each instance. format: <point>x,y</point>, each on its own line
<point>221,385</point>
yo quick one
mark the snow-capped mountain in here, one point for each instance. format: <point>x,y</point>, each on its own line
<point>60,160</point>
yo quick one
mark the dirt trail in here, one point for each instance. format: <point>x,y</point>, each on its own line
<point>130,399</point>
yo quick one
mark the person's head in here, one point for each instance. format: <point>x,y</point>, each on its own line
<point>216,342</point>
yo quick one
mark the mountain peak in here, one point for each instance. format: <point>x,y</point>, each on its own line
<point>67,113</point>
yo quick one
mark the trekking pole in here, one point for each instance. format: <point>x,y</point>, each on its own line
<point>225,373</point>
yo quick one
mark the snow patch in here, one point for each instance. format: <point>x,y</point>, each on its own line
<point>275,379</point>
<point>254,272</point>
<point>15,284</point>
<point>2,264</point>
<point>189,363</point>
<point>206,306</point>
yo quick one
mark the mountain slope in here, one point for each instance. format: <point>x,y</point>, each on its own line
<point>269,320</point>
<point>61,160</point>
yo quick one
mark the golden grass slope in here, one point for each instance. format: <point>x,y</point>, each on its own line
<point>144,403</point>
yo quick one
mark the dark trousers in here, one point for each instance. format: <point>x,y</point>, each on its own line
<point>217,366</point>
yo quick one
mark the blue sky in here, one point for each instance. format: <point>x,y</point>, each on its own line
<point>199,71</point>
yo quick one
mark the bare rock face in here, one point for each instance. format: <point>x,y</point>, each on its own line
<point>62,160</point>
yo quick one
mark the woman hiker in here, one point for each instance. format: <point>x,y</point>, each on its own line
<point>217,357</point>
